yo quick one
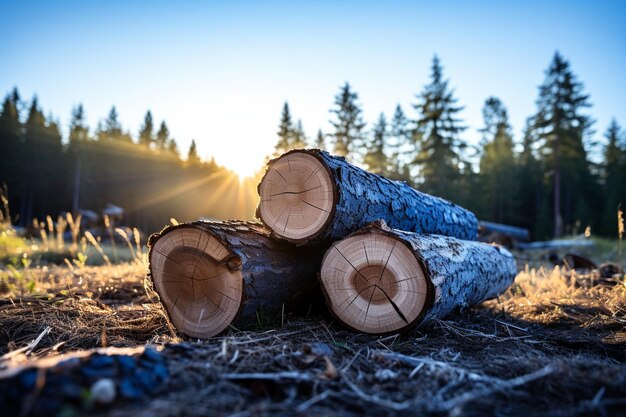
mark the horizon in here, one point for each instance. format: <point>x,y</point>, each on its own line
<point>220,74</point>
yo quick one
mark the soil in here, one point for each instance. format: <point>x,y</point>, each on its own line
<point>552,345</point>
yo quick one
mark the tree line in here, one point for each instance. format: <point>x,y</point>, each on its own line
<point>544,181</point>
<point>146,175</point>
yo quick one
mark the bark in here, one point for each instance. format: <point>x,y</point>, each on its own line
<point>459,273</point>
<point>362,197</point>
<point>275,275</point>
<point>513,232</point>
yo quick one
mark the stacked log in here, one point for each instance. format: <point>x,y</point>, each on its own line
<point>381,280</point>
<point>310,196</point>
<point>377,278</point>
<point>211,275</point>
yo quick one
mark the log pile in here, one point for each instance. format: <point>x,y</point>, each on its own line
<point>393,257</point>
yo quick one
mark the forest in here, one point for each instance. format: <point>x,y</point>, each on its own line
<point>563,175</point>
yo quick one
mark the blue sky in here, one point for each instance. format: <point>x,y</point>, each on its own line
<point>220,71</point>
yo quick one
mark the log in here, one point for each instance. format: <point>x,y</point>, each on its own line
<point>381,280</point>
<point>496,232</point>
<point>210,275</point>
<point>312,196</point>
<point>557,244</point>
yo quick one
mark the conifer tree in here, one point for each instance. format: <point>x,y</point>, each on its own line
<point>320,140</point>
<point>498,176</point>
<point>146,132</point>
<point>193,159</point>
<point>532,198</point>
<point>79,132</point>
<point>78,137</point>
<point>162,139</point>
<point>375,158</point>
<point>111,129</point>
<point>347,122</point>
<point>614,175</point>
<point>43,154</point>
<point>172,147</point>
<point>12,164</point>
<point>400,146</point>
<point>560,127</point>
<point>285,131</point>
<point>299,137</point>
<point>437,136</point>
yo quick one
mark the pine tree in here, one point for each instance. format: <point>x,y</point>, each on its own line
<point>531,198</point>
<point>437,137</point>
<point>401,149</point>
<point>375,158</point>
<point>560,127</point>
<point>43,154</point>
<point>320,140</point>
<point>172,147</point>
<point>79,132</point>
<point>285,131</point>
<point>614,175</point>
<point>193,159</point>
<point>146,132</point>
<point>11,156</point>
<point>78,137</point>
<point>348,122</point>
<point>498,176</point>
<point>299,137</point>
<point>111,129</point>
<point>290,136</point>
<point>162,137</point>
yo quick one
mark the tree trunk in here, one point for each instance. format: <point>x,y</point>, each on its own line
<point>312,196</point>
<point>380,280</point>
<point>210,275</point>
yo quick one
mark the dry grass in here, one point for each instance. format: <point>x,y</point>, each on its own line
<point>549,346</point>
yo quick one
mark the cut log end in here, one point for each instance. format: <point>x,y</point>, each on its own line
<point>201,294</point>
<point>374,283</point>
<point>297,197</point>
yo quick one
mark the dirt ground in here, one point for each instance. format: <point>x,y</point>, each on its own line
<point>552,345</point>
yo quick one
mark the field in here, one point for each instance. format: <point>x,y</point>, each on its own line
<point>554,344</point>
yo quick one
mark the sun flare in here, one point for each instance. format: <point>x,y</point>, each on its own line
<point>245,166</point>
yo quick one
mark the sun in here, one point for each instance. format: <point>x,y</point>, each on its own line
<point>244,164</point>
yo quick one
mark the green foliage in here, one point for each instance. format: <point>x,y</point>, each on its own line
<point>18,270</point>
<point>560,127</point>
<point>614,176</point>
<point>498,171</point>
<point>400,145</point>
<point>162,140</point>
<point>375,157</point>
<point>193,159</point>
<point>290,136</point>
<point>45,176</point>
<point>320,140</point>
<point>347,122</point>
<point>146,136</point>
<point>80,260</point>
<point>437,137</point>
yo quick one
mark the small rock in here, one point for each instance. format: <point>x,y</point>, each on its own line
<point>103,391</point>
<point>383,375</point>
<point>317,349</point>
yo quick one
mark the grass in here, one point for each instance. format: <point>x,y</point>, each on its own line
<point>547,346</point>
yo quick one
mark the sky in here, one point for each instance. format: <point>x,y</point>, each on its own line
<point>219,72</point>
